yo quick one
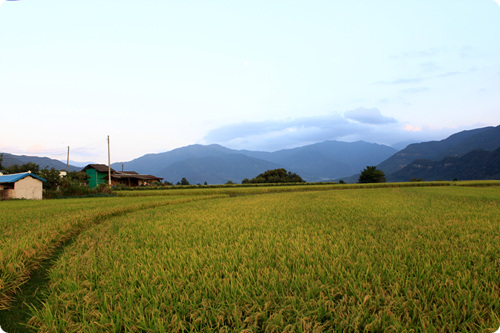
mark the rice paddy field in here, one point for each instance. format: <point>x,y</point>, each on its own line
<point>319,258</point>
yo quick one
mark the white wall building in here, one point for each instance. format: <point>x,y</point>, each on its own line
<point>21,186</point>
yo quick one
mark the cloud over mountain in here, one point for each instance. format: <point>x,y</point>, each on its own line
<point>366,124</point>
<point>369,116</point>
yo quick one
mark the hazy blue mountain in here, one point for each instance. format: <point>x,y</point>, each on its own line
<point>216,169</point>
<point>43,162</point>
<point>80,165</point>
<point>333,159</point>
<point>487,138</point>
<point>216,164</point>
<point>9,159</point>
<point>156,163</point>
<point>476,164</point>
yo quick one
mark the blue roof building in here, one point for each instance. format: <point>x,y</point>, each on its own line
<point>23,185</point>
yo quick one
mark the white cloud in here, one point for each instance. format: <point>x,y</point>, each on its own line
<point>368,116</point>
<point>497,1</point>
<point>369,125</point>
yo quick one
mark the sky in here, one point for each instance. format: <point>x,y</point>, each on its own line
<point>155,75</point>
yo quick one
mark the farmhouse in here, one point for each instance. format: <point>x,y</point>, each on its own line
<point>23,185</point>
<point>98,174</point>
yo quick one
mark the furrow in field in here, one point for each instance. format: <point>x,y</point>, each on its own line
<point>24,253</point>
<point>378,260</point>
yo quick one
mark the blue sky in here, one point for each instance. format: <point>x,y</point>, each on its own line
<point>158,74</point>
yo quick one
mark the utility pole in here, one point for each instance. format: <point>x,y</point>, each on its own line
<point>67,164</point>
<point>109,165</point>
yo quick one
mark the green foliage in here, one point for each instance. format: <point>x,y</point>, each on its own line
<point>371,175</point>
<point>16,168</point>
<point>78,176</point>
<point>52,177</point>
<point>74,184</point>
<point>183,181</point>
<point>275,176</point>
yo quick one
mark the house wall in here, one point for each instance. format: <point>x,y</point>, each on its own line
<point>92,173</point>
<point>96,177</point>
<point>26,188</point>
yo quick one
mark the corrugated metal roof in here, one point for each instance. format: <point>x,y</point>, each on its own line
<point>99,167</point>
<point>134,176</point>
<point>18,176</point>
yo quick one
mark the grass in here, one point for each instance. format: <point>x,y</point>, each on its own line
<point>392,259</point>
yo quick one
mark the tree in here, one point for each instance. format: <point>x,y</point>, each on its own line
<point>30,166</point>
<point>184,181</point>
<point>79,177</point>
<point>275,176</point>
<point>371,175</point>
<point>52,177</point>
<point>1,160</point>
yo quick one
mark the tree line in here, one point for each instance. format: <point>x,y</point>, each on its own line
<point>369,175</point>
<point>76,183</point>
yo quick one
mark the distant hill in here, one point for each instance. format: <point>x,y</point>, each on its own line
<point>43,162</point>
<point>329,159</point>
<point>476,164</point>
<point>216,169</point>
<point>155,163</point>
<point>216,164</point>
<point>456,145</point>
<point>81,165</point>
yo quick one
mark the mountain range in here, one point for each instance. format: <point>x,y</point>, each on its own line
<point>43,162</point>
<point>403,165</point>
<point>216,164</point>
<point>456,145</point>
<point>476,164</point>
<point>471,154</point>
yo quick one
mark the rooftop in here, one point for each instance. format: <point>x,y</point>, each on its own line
<point>12,178</point>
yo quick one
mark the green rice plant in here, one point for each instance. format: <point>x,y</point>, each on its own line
<point>375,260</point>
<point>30,231</point>
<point>247,189</point>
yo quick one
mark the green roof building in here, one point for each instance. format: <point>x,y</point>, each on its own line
<point>98,174</point>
